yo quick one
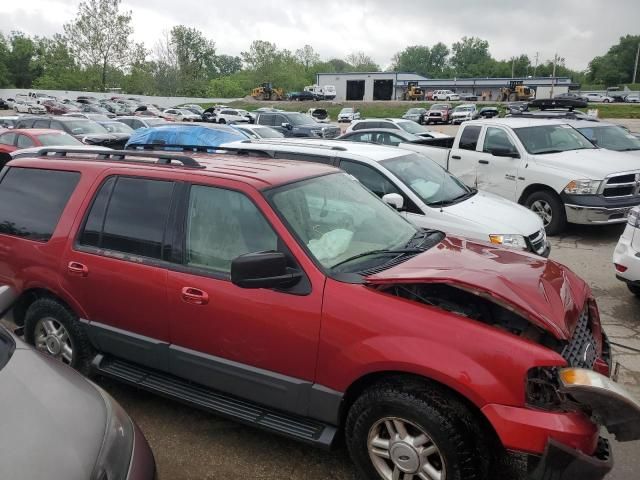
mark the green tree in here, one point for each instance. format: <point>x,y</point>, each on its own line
<point>307,56</point>
<point>59,70</point>
<point>471,57</point>
<point>20,62</point>
<point>195,56</point>
<point>225,87</point>
<point>99,35</point>
<point>616,66</point>
<point>227,65</point>
<point>5,80</point>
<point>361,62</point>
<point>431,62</point>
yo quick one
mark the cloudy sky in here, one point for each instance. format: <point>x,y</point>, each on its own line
<point>576,29</point>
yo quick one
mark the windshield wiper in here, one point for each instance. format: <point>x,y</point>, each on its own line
<point>398,251</point>
<point>542,152</point>
<point>451,201</point>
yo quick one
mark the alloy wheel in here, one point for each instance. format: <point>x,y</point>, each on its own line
<point>52,338</point>
<point>543,210</point>
<point>400,450</point>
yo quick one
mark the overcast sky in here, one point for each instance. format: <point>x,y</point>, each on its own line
<point>576,29</point>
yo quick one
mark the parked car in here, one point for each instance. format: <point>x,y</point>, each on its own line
<point>348,114</point>
<point>106,443</point>
<point>28,106</point>
<point>194,107</point>
<point>465,112</point>
<point>597,97</point>
<point>16,139</point>
<point>250,116</point>
<point>149,110</point>
<point>116,108</point>
<point>86,100</point>
<point>116,126</point>
<point>97,109</point>
<point>230,116</point>
<point>488,112</point>
<point>293,124</point>
<point>424,192</point>
<point>391,136</point>
<point>415,115</point>
<point>394,124</point>
<point>10,102</point>
<point>570,96</point>
<point>182,115</point>
<point>546,165</point>
<point>174,136</point>
<point>9,121</point>
<point>54,107</point>
<point>257,131</point>
<point>313,309</point>
<point>327,92</point>
<point>626,257</point>
<point>87,131</point>
<point>4,105</point>
<point>438,113</point>
<point>469,97</point>
<point>320,114</point>
<point>447,95</point>
<point>301,96</point>
<point>634,98</point>
<point>608,136</point>
<point>136,122</point>
<point>96,117</point>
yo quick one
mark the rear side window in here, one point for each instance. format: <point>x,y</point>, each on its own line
<point>370,178</point>
<point>129,215</point>
<point>266,119</point>
<point>469,137</point>
<point>32,200</point>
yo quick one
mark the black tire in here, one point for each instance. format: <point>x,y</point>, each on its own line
<point>222,120</point>
<point>606,100</point>
<point>558,221</point>
<point>48,307</point>
<point>463,448</point>
<point>635,289</point>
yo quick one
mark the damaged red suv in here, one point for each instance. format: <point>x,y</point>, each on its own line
<point>287,296</point>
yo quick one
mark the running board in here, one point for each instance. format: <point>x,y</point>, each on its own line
<point>299,428</point>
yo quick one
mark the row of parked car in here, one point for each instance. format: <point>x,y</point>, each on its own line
<point>315,288</point>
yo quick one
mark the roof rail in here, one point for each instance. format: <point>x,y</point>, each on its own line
<point>192,148</point>
<point>554,114</point>
<point>161,158</point>
<point>276,141</point>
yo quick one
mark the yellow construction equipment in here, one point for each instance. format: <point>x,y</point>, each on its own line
<point>267,92</point>
<point>516,92</point>
<point>413,92</point>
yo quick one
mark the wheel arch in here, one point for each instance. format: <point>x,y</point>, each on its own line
<point>29,296</point>
<point>535,187</point>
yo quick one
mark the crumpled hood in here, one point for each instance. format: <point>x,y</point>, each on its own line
<point>546,293</point>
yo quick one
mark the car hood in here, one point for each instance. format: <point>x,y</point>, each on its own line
<point>593,164</point>
<point>53,420</point>
<point>496,215</point>
<point>462,114</point>
<point>544,292</point>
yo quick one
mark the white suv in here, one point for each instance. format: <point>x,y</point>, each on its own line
<point>447,95</point>
<point>231,116</point>
<point>408,126</point>
<point>626,257</point>
<point>422,191</point>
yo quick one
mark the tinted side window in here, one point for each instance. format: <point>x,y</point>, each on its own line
<point>8,138</point>
<point>222,225</point>
<point>32,200</point>
<point>135,219</point>
<point>469,137</point>
<point>41,124</point>
<point>266,119</point>
<point>370,178</point>
<point>24,142</point>
<point>496,138</point>
<point>56,125</point>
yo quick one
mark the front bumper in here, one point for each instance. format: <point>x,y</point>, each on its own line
<point>596,209</point>
<point>143,465</point>
<point>627,255</point>
<point>560,462</point>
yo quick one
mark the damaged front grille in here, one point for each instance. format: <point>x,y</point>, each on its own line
<point>580,352</point>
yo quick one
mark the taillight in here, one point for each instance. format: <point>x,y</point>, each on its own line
<point>620,268</point>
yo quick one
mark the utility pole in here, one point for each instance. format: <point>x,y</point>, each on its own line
<point>513,62</point>
<point>635,68</point>
<point>536,66</point>
<point>553,74</point>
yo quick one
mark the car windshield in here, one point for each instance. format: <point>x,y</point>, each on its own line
<point>411,127</point>
<point>346,110</point>
<point>414,111</point>
<point>428,180</point>
<point>439,107</point>
<point>299,119</point>
<point>464,109</point>
<point>80,127</point>
<point>611,137</point>
<point>117,127</point>
<point>57,140</point>
<point>551,139</point>
<point>338,219</point>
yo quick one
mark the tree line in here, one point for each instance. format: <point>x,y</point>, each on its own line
<point>95,52</point>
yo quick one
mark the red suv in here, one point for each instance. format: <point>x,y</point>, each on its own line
<point>285,295</point>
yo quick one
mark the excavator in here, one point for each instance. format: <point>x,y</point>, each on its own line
<point>516,92</point>
<point>413,92</point>
<point>267,92</point>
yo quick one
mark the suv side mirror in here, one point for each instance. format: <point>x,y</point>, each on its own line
<point>393,199</point>
<point>286,125</point>
<point>263,270</point>
<point>504,152</point>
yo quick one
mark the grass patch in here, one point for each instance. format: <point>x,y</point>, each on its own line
<point>393,109</point>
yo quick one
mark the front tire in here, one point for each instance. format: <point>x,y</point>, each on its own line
<point>635,289</point>
<point>222,120</point>
<point>54,330</point>
<point>411,430</point>
<point>549,207</point>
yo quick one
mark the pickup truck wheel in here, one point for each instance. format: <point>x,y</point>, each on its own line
<point>550,209</point>
<point>53,329</point>
<point>634,289</point>
<point>399,432</point>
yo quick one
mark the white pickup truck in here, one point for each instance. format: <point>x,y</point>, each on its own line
<point>546,165</point>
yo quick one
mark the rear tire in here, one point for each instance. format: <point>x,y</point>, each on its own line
<point>390,419</point>
<point>222,120</point>
<point>54,329</point>
<point>549,207</point>
<point>634,289</point>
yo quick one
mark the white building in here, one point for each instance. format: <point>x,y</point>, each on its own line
<point>368,86</point>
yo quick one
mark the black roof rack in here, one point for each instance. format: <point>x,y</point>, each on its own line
<point>554,114</point>
<point>163,159</point>
<point>195,148</point>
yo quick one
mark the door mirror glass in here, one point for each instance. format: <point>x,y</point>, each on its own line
<point>286,125</point>
<point>263,270</point>
<point>394,199</point>
<point>504,152</point>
